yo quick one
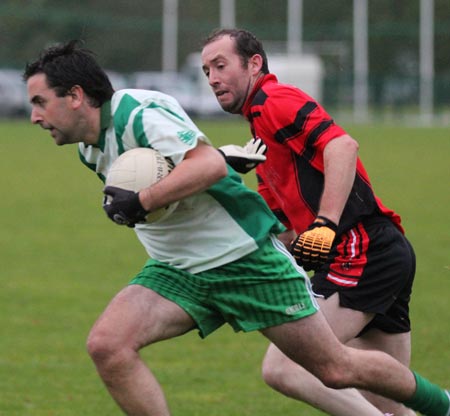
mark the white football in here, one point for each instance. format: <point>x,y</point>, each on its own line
<point>137,169</point>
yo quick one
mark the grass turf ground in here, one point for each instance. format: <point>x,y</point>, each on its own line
<point>62,261</point>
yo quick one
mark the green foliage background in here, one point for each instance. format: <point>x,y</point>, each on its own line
<point>127,36</point>
<point>62,261</point>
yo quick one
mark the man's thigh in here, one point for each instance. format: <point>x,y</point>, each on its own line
<point>396,345</point>
<point>346,323</point>
<point>138,316</point>
<point>309,342</point>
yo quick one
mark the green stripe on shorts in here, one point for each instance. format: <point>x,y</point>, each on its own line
<point>262,289</point>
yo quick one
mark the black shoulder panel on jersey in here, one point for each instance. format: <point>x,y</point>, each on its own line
<point>296,127</point>
<point>313,136</point>
<point>260,98</point>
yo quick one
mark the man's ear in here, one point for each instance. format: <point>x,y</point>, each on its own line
<point>77,95</point>
<point>255,63</point>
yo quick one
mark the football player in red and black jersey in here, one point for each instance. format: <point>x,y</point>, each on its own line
<point>315,183</point>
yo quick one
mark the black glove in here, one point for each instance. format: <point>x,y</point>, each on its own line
<point>123,207</point>
<point>311,248</point>
<point>244,159</point>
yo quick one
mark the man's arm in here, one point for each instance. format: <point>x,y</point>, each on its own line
<point>339,158</point>
<point>202,167</point>
<point>312,247</point>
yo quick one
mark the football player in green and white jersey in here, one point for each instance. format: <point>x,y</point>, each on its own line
<point>224,229</point>
<point>214,260</point>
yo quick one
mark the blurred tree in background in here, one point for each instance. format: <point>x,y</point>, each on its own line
<point>127,35</point>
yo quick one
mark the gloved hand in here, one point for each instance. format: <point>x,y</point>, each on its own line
<point>244,159</point>
<point>311,248</point>
<point>123,207</point>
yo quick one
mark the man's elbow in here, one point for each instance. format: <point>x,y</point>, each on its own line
<point>351,144</point>
<point>220,165</point>
<point>343,145</point>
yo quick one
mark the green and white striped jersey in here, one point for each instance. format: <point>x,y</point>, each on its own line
<point>206,230</point>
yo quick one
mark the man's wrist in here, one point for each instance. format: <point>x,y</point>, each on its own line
<point>325,221</point>
<point>145,199</point>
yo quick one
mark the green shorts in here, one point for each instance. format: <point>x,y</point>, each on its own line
<point>262,289</point>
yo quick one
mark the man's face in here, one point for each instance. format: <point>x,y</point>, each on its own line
<point>53,113</point>
<point>230,81</point>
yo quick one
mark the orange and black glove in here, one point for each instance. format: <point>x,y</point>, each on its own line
<point>311,248</point>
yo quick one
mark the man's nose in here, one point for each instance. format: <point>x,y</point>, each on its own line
<point>35,116</point>
<point>212,78</point>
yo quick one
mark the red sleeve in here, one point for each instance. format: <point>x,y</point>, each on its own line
<point>298,121</point>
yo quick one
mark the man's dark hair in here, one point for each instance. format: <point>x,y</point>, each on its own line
<point>246,44</point>
<point>69,64</point>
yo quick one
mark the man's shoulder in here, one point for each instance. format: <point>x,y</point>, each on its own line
<point>139,95</point>
<point>277,97</point>
<point>272,88</point>
<point>277,90</point>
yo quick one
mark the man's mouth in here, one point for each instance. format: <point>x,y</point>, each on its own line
<point>220,93</point>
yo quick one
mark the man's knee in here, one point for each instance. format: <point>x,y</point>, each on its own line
<point>275,368</point>
<point>335,377</point>
<point>283,374</point>
<point>287,377</point>
<point>106,350</point>
<point>280,374</point>
<point>273,375</point>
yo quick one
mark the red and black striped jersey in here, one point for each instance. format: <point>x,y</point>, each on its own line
<point>296,130</point>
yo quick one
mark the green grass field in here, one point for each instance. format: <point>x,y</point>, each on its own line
<point>62,260</point>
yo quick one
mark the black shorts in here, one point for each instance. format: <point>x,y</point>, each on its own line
<point>372,267</point>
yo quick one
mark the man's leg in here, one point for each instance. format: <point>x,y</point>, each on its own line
<point>292,380</point>
<point>136,317</point>
<point>397,346</point>
<point>311,343</point>
<point>347,324</point>
<point>289,378</point>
